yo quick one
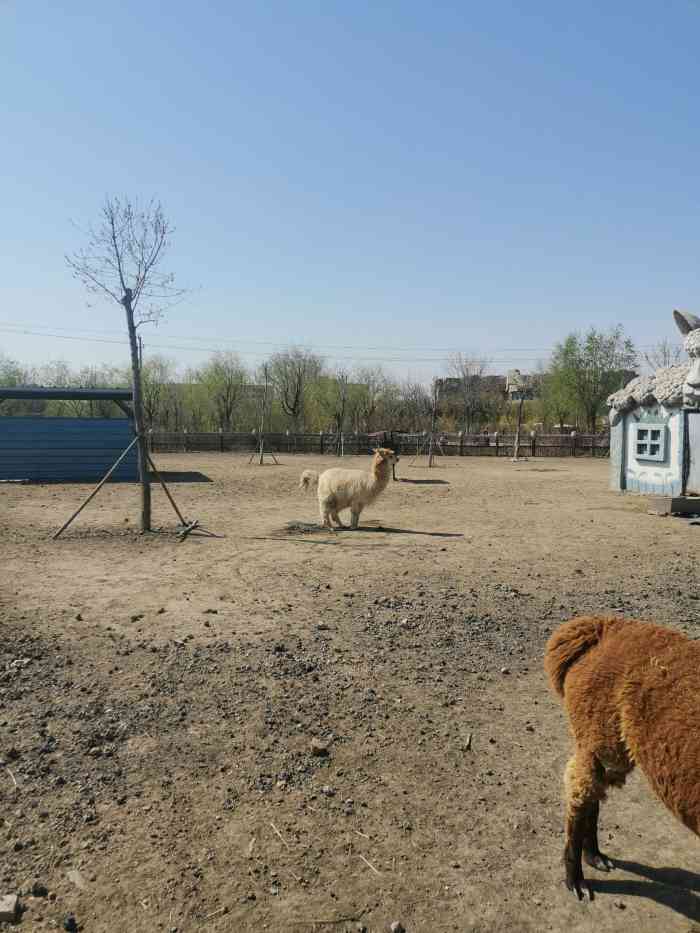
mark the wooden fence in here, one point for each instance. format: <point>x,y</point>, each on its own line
<point>448,445</point>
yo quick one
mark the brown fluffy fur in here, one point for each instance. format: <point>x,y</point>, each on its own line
<point>340,489</point>
<point>631,691</point>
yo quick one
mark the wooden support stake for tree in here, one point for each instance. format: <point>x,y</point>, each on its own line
<point>166,490</point>
<point>96,489</point>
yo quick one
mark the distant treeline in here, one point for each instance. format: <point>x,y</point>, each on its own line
<point>304,394</point>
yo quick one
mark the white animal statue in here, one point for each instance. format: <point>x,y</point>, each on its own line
<point>671,386</point>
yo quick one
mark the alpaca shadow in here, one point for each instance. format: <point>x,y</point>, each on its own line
<point>302,528</point>
<point>425,482</point>
<point>406,531</point>
<point>671,887</point>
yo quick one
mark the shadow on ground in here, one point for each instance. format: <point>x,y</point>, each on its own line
<point>671,887</point>
<point>425,482</point>
<point>184,476</point>
<point>301,528</point>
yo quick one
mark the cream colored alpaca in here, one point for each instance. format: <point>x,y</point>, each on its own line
<point>349,489</point>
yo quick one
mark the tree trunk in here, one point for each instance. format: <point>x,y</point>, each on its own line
<point>142,446</point>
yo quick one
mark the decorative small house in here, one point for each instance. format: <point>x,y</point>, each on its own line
<point>655,425</point>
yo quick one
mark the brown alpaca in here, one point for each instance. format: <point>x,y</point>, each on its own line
<point>631,693</point>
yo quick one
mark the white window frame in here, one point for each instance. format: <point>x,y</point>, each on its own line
<point>650,441</point>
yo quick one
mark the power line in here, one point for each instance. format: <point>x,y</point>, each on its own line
<point>525,353</point>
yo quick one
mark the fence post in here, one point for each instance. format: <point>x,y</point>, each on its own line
<point>461,443</point>
<point>320,434</point>
<point>184,439</point>
<point>573,443</point>
<point>495,437</point>
<point>533,443</point>
<point>221,440</point>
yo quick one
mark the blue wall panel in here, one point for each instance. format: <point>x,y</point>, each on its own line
<point>65,450</point>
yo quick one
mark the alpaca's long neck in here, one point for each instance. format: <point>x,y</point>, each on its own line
<point>379,476</point>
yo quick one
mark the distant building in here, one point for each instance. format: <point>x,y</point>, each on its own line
<point>520,385</point>
<point>509,386</point>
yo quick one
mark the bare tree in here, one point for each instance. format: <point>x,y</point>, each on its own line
<point>122,261</point>
<point>470,372</point>
<point>371,387</point>
<point>663,354</point>
<point>291,372</point>
<point>341,382</point>
<point>157,376</point>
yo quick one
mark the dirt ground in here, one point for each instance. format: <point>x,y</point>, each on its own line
<point>288,730</point>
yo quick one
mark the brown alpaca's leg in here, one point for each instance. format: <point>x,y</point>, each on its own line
<point>591,853</point>
<point>584,791</point>
<point>336,519</point>
<point>355,519</point>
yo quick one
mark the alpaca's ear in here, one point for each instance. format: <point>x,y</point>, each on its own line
<point>686,322</point>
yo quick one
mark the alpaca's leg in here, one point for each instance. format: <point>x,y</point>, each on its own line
<point>336,519</point>
<point>584,791</point>
<point>591,852</point>
<point>355,518</point>
<point>326,511</point>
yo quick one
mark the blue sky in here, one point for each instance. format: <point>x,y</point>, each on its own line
<point>404,177</point>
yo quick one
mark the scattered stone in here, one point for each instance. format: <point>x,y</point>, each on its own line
<point>397,927</point>
<point>319,748</point>
<point>78,617</point>
<point>70,924</point>
<point>620,905</point>
<point>76,878</point>
<point>137,617</point>
<point>95,752</point>
<point>39,890</point>
<point>9,905</point>
<point>505,670</point>
<point>327,790</point>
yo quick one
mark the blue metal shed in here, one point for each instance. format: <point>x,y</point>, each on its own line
<point>66,450</point>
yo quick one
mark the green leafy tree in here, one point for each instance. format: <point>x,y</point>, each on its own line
<point>587,368</point>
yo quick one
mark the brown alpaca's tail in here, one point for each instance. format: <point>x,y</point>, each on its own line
<point>309,479</point>
<point>569,643</point>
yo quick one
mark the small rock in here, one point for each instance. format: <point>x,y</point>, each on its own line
<point>328,791</point>
<point>160,611</point>
<point>319,748</point>
<point>70,924</point>
<point>397,927</point>
<point>505,670</point>
<point>78,617</point>
<point>39,890</point>
<point>620,905</point>
<point>95,752</point>
<point>77,879</point>
<point>137,617</point>
<point>9,905</point>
